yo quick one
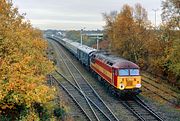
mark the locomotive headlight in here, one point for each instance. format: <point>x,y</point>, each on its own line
<point>138,85</point>
<point>121,86</point>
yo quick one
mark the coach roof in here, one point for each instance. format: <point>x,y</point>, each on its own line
<point>86,49</point>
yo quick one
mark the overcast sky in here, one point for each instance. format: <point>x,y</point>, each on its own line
<point>77,14</point>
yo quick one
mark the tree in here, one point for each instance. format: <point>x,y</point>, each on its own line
<point>140,15</point>
<point>73,35</point>
<point>133,37</point>
<point>170,33</point>
<point>127,32</point>
<point>174,58</point>
<point>23,63</point>
<point>171,13</point>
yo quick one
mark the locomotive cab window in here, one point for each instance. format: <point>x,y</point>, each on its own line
<point>123,72</point>
<point>134,72</point>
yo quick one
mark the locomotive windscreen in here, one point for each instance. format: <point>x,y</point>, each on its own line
<point>134,72</point>
<point>127,72</point>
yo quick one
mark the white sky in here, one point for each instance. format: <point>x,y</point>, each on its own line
<point>77,14</point>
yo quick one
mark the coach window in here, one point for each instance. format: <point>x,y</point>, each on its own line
<point>123,72</point>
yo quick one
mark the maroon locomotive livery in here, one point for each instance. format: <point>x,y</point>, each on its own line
<point>120,73</point>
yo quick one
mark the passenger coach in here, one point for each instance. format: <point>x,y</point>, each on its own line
<point>84,53</point>
<point>120,73</point>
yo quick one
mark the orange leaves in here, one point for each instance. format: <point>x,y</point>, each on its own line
<point>132,37</point>
<point>39,44</point>
<point>23,65</point>
<point>128,32</point>
<point>0,61</point>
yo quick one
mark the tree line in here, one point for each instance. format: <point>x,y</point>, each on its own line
<point>23,67</point>
<point>76,36</point>
<point>155,49</point>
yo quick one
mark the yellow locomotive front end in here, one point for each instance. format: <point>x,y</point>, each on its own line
<point>129,80</point>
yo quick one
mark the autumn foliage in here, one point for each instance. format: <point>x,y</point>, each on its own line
<point>23,63</point>
<point>156,50</point>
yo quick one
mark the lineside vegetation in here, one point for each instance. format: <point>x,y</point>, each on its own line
<point>155,49</point>
<point>23,67</point>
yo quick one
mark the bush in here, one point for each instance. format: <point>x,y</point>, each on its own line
<point>60,113</point>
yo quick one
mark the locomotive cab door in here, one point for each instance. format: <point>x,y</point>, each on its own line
<point>114,76</point>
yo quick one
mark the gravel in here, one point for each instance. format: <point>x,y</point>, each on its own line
<point>168,113</point>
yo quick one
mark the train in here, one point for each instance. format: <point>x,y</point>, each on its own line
<point>122,75</point>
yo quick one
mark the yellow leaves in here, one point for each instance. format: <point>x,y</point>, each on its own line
<point>23,65</point>
<point>1,95</point>
<point>9,106</point>
<point>0,61</point>
<point>39,44</point>
<point>32,116</point>
<point>125,32</point>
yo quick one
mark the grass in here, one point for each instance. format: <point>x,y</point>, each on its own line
<point>164,90</point>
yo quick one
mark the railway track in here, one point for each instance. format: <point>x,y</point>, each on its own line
<point>99,110</point>
<point>157,84</point>
<point>140,109</point>
<point>78,97</point>
<point>168,96</point>
<point>97,106</point>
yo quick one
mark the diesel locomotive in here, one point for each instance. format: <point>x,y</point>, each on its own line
<point>121,74</point>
